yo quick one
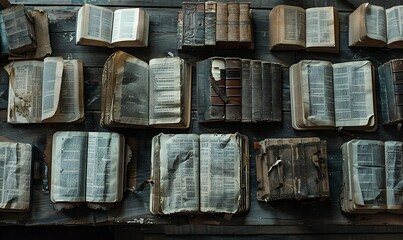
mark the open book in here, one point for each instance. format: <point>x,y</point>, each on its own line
<point>100,26</point>
<point>192,174</point>
<point>326,95</point>
<point>137,94</point>
<point>391,86</point>
<point>373,26</point>
<point>292,168</point>
<point>15,175</point>
<point>372,176</point>
<point>293,28</point>
<point>45,91</point>
<point>87,167</point>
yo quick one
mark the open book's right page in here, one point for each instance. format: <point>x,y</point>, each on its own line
<point>354,97</point>
<point>394,24</point>
<point>394,176</point>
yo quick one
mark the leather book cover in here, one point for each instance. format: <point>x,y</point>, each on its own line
<point>233,24</point>
<point>233,89</point>
<point>277,93</point>
<point>222,24</point>
<point>246,91</point>
<point>267,95</point>
<point>210,17</point>
<point>256,69</point>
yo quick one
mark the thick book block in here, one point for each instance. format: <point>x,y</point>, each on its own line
<point>199,174</point>
<point>391,83</point>
<point>292,168</point>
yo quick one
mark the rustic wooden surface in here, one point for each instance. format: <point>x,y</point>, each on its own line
<point>263,218</point>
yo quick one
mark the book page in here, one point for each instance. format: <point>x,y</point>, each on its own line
<point>368,174</point>
<point>375,22</point>
<point>317,91</point>
<point>25,91</point>
<point>130,99</point>
<point>394,23</point>
<point>69,159</point>
<point>166,83</point>
<point>15,175</point>
<point>179,173</point>
<point>320,27</point>
<point>353,94</point>
<point>125,25</point>
<point>104,167</point>
<point>294,25</point>
<point>99,26</point>
<point>394,174</point>
<point>220,157</point>
<point>51,87</point>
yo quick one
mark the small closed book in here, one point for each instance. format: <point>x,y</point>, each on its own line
<point>100,26</point>
<point>45,91</point>
<point>137,94</point>
<point>207,173</point>
<point>292,168</point>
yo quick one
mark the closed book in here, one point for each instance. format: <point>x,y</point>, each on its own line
<point>277,94</point>
<point>233,24</point>
<point>233,89</point>
<point>199,25</point>
<point>256,68</point>
<point>267,101</point>
<point>210,17</point>
<point>246,91</point>
<point>189,20</point>
<point>222,24</point>
<point>245,25</point>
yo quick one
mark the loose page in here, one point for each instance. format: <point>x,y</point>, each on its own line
<point>317,92</point>
<point>131,94</point>
<point>353,94</point>
<point>125,25</point>
<point>179,173</point>
<point>375,22</point>
<point>69,159</point>
<point>394,23</point>
<point>220,157</point>
<point>25,91</point>
<point>104,167</point>
<point>320,27</point>
<point>51,87</point>
<point>166,82</point>
<point>394,175</point>
<point>15,176</point>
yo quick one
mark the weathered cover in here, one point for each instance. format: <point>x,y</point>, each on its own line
<point>233,89</point>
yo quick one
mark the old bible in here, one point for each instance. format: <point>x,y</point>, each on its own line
<point>45,91</point>
<point>238,90</point>
<point>207,173</point>
<point>100,26</point>
<point>292,168</point>
<point>372,176</point>
<point>15,175</point>
<point>326,95</point>
<point>87,167</point>
<point>391,88</point>
<point>373,26</point>
<point>294,28</point>
<point>137,94</point>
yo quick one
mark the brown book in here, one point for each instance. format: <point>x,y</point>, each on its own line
<point>245,26</point>
<point>233,89</point>
<point>233,24</point>
<point>314,29</point>
<point>222,24</point>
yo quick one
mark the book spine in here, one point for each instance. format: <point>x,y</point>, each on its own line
<point>256,68</point>
<point>267,95</point>
<point>299,171</point>
<point>398,89</point>
<point>222,24</point>
<point>277,92</point>
<point>233,89</point>
<point>245,23</point>
<point>210,23</point>
<point>179,30</point>
<point>199,25</point>
<point>189,24</point>
<point>246,91</point>
<point>233,24</point>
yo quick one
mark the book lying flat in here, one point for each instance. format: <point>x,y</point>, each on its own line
<point>137,94</point>
<point>199,174</point>
<point>327,96</point>
<point>45,91</point>
<point>100,26</point>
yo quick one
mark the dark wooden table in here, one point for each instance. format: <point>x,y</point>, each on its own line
<point>263,218</point>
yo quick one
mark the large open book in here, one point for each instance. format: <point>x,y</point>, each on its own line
<point>137,94</point>
<point>294,28</point>
<point>87,167</point>
<point>15,175</point>
<point>45,91</point>
<point>372,176</point>
<point>292,168</point>
<point>373,26</point>
<point>391,86</point>
<point>100,26</point>
<point>326,95</point>
<point>207,173</point>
